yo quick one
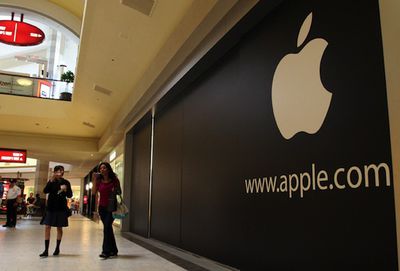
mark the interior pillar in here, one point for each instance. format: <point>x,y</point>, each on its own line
<point>42,176</point>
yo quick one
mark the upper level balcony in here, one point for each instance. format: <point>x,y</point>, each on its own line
<point>35,87</point>
<point>35,68</point>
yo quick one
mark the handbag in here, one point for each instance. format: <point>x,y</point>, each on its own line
<point>121,211</point>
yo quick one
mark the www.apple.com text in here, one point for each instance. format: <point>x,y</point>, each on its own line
<point>353,177</point>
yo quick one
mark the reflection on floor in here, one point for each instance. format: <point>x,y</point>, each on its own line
<point>20,248</point>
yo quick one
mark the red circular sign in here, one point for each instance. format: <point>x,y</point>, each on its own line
<point>20,33</point>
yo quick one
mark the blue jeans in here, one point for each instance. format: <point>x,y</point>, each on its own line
<point>109,244</point>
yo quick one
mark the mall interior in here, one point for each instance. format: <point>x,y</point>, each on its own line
<point>246,134</point>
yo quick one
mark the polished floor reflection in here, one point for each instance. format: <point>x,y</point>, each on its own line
<point>20,248</point>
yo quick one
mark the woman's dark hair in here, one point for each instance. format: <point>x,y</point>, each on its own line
<point>111,173</point>
<point>58,167</point>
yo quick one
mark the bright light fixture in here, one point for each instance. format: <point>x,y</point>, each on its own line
<point>24,82</point>
<point>113,154</point>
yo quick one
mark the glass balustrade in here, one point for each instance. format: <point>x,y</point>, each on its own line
<point>35,87</point>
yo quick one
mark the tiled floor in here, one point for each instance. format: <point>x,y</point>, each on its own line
<point>80,247</point>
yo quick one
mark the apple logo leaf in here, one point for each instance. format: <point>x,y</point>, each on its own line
<point>304,30</point>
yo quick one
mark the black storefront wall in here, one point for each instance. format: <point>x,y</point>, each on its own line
<point>140,187</point>
<point>220,146</point>
<point>167,176</point>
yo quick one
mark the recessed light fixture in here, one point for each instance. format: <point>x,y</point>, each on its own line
<point>88,124</point>
<point>102,90</point>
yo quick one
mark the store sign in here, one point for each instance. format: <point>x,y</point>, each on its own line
<point>12,156</point>
<point>20,33</point>
<point>5,82</point>
<point>44,89</point>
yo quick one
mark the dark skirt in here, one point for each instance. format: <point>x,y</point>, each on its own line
<point>56,219</point>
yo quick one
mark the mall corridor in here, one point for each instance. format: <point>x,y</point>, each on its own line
<point>81,244</point>
<point>243,135</point>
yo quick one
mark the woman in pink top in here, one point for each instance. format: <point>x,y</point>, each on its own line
<point>108,185</point>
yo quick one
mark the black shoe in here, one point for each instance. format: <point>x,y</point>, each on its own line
<point>56,252</point>
<point>113,254</point>
<point>104,255</point>
<point>44,254</point>
<point>5,225</point>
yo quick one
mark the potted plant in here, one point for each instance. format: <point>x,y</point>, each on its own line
<point>67,77</point>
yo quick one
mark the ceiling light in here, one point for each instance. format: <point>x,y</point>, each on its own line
<point>88,124</point>
<point>102,90</point>
<point>24,82</point>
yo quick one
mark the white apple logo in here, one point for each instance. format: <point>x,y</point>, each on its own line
<point>299,100</point>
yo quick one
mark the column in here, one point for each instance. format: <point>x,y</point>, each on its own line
<point>42,176</point>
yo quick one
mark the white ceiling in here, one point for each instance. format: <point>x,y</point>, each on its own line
<point>122,50</point>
